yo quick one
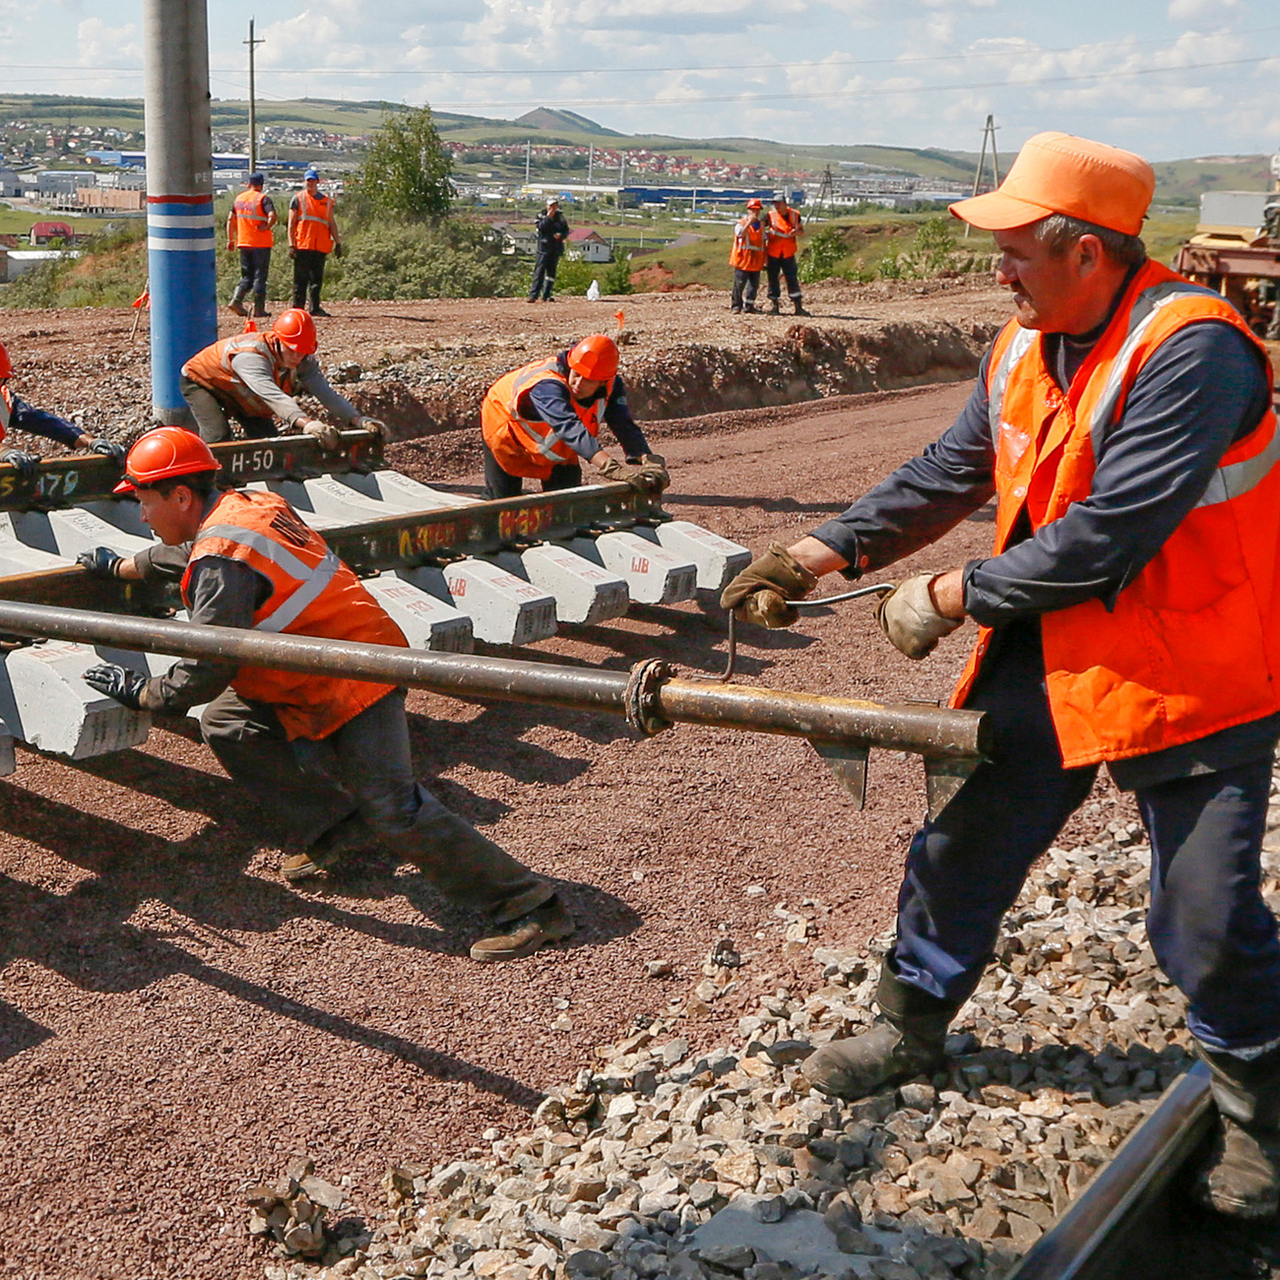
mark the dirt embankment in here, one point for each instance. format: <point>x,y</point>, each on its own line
<point>425,366</point>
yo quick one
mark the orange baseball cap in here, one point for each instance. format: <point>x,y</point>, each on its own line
<point>1059,173</point>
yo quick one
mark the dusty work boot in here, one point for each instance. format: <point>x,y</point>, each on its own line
<point>907,1042</point>
<point>237,305</point>
<point>329,850</point>
<point>775,306</point>
<point>1241,1174</point>
<point>547,923</point>
<point>799,306</point>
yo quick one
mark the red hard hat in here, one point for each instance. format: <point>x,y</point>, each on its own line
<point>162,453</point>
<point>6,365</point>
<point>296,330</point>
<point>595,357</point>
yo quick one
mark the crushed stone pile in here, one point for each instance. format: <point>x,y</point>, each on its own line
<point>664,1164</point>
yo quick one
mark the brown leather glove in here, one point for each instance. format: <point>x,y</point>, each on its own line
<point>329,436</point>
<point>761,591</point>
<point>628,473</point>
<point>909,617</point>
<point>654,465</point>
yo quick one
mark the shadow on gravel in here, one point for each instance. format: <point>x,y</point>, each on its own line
<point>18,1032</point>
<point>789,505</point>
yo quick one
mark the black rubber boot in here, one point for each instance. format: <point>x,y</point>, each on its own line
<point>907,1042</point>
<point>799,306</point>
<point>1241,1174</point>
<point>775,307</point>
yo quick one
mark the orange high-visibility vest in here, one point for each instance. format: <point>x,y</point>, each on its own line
<point>252,231</point>
<point>313,594</point>
<point>1192,644</point>
<point>311,229</point>
<point>522,444</point>
<point>211,368</point>
<point>747,253</point>
<point>783,230</point>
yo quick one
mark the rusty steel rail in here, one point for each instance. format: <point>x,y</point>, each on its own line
<point>68,482</point>
<point>841,729</point>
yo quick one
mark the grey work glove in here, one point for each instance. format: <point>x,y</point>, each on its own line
<point>117,682</point>
<point>24,461</point>
<point>109,449</point>
<point>908,616</point>
<point>102,562</point>
<point>633,474</point>
<point>760,593</point>
<point>330,437</point>
<point>376,425</point>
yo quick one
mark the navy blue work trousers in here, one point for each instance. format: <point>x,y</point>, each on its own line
<point>1210,929</point>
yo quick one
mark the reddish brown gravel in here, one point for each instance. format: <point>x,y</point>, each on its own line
<point>175,1021</point>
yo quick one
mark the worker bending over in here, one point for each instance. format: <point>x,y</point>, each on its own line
<point>1129,614</point>
<point>543,420</point>
<point>325,758</point>
<point>254,378</point>
<point>17,414</point>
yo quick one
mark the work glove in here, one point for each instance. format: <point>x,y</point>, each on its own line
<point>654,467</point>
<point>761,591</point>
<point>293,251</point>
<point>629,473</point>
<point>102,562</point>
<point>117,682</point>
<point>376,425</point>
<point>330,437</point>
<point>339,250</point>
<point>109,449</point>
<point>24,461</point>
<point>908,616</point>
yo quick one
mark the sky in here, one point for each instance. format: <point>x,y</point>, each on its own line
<point>1166,78</point>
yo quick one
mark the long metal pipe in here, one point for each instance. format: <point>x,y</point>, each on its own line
<point>934,732</point>
<point>180,235</point>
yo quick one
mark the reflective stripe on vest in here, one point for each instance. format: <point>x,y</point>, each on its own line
<point>312,581</point>
<point>6,411</point>
<point>547,443</point>
<point>252,228</point>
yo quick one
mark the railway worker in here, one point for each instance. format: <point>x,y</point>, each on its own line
<point>1128,615</point>
<point>543,420</point>
<point>327,758</point>
<point>253,378</point>
<point>16,413</point>
<point>785,227</point>
<point>746,257</point>
<point>313,236</point>
<point>249,225</point>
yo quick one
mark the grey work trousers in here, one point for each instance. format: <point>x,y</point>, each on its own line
<point>307,787</point>
<point>213,414</point>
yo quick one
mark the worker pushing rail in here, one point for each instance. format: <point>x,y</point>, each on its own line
<point>324,758</point>
<point>1129,615</point>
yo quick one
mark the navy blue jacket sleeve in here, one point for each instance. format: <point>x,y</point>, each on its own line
<point>1203,389</point>
<point>924,498</point>
<point>39,422</point>
<point>617,413</point>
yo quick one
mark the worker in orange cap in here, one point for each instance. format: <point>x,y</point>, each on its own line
<point>746,257</point>
<point>17,415</point>
<point>253,378</point>
<point>325,759</point>
<point>1128,615</point>
<point>543,420</point>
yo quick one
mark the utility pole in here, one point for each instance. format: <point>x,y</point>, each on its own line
<point>528,155</point>
<point>180,238</point>
<point>988,131</point>
<point>591,160</point>
<point>253,104</point>
<point>622,168</point>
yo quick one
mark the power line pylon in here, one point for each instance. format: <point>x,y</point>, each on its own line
<point>988,132</point>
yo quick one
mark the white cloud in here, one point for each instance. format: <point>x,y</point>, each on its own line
<point>1203,10</point>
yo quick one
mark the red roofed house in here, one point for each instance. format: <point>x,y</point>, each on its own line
<point>45,232</point>
<point>588,245</point>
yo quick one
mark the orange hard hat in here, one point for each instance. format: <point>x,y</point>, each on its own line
<point>296,330</point>
<point>595,357</point>
<point>162,453</point>
<point>754,204</point>
<point>6,365</point>
<point>1059,173</point>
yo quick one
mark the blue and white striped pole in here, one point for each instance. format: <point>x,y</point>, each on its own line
<point>180,235</point>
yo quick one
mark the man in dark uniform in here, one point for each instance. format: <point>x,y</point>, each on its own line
<point>552,231</point>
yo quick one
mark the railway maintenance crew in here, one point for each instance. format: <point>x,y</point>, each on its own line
<point>313,236</point>
<point>746,257</point>
<point>785,227</point>
<point>1129,614</point>
<point>324,757</point>
<point>249,227</point>
<point>253,378</point>
<point>543,420</point>
<point>16,413</point>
